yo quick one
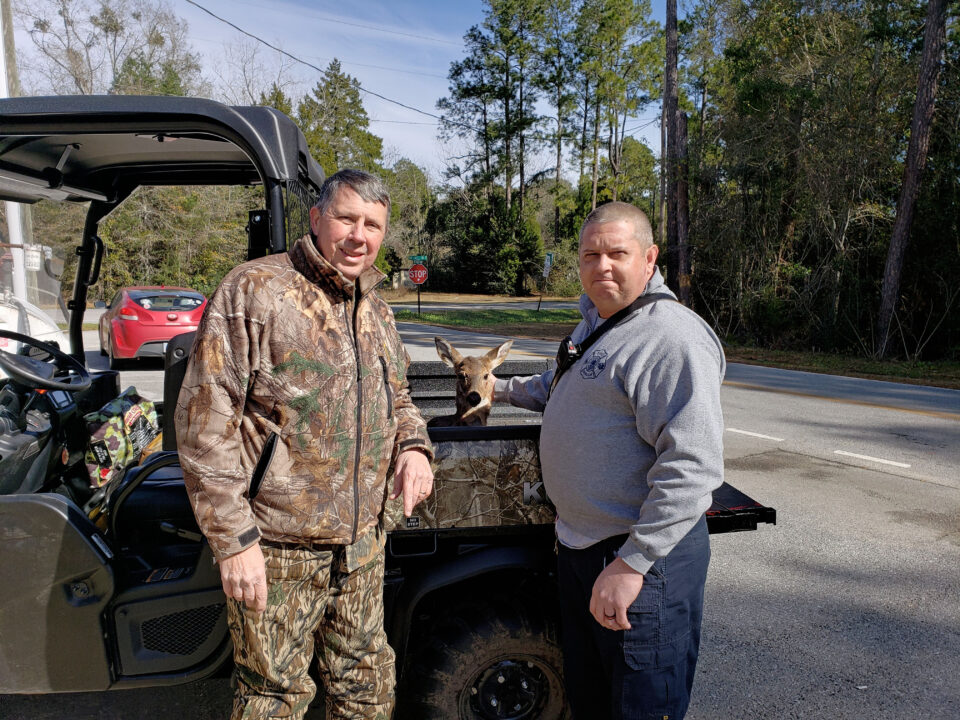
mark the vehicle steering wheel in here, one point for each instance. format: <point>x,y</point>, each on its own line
<point>40,374</point>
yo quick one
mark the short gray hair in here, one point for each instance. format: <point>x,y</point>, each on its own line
<point>617,211</point>
<point>369,187</point>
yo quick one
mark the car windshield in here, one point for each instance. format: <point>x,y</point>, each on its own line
<point>152,300</point>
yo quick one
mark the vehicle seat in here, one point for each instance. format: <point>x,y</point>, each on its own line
<point>174,368</point>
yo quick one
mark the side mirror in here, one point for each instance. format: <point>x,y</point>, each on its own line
<point>99,304</point>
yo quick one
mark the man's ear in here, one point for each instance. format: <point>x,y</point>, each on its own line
<point>651,253</point>
<point>315,216</point>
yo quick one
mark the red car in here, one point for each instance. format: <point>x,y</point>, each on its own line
<point>139,321</point>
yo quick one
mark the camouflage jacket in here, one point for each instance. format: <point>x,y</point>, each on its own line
<point>290,348</point>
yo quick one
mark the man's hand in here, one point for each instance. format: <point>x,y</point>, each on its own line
<point>245,579</point>
<point>413,478</point>
<point>492,380</point>
<point>613,592</point>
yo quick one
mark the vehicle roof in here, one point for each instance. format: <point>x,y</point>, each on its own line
<point>100,147</point>
<point>159,289</point>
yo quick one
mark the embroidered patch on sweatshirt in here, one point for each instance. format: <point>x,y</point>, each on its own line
<point>594,365</point>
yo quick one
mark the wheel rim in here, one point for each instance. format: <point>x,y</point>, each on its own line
<point>508,689</point>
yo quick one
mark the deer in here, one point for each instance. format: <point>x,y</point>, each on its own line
<point>474,384</point>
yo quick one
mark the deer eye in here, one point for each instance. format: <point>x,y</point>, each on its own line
<point>463,377</point>
<point>486,375</point>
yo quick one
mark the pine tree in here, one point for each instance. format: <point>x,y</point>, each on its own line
<point>335,124</point>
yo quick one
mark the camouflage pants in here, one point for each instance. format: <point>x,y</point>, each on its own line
<point>314,605</point>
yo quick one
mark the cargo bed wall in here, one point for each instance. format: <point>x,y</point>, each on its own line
<point>490,476</point>
<point>483,477</point>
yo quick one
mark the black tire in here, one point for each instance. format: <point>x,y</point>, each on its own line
<point>115,362</point>
<point>493,660</point>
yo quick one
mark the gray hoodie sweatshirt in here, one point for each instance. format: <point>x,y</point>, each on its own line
<point>631,440</point>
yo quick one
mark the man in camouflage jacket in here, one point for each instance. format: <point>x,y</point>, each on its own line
<point>294,405</point>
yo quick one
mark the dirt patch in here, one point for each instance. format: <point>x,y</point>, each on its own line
<point>532,331</point>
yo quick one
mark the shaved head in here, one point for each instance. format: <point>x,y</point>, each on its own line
<point>621,211</point>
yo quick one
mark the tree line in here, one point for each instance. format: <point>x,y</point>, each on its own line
<point>793,127</point>
<point>790,125</point>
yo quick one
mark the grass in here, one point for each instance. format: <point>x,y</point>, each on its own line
<point>550,324</point>
<point>942,373</point>
<point>490,318</point>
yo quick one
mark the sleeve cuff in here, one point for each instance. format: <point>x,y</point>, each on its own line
<point>633,554</point>
<point>225,547</point>
<point>416,444</point>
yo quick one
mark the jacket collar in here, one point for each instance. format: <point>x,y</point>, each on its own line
<point>313,266</point>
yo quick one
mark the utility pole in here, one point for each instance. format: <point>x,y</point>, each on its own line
<point>670,113</point>
<point>10,87</point>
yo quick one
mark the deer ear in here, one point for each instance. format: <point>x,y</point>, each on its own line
<point>496,356</point>
<point>447,352</point>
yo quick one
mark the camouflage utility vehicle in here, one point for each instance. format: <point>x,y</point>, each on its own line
<point>105,581</point>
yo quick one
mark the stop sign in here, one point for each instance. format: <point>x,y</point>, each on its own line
<point>418,274</point>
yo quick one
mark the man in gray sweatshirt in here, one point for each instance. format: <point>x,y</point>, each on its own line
<point>631,448</point>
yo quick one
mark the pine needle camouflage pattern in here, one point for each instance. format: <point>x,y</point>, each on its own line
<point>479,484</point>
<point>288,347</point>
<point>314,605</point>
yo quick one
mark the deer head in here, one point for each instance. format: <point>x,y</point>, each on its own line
<point>474,382</point>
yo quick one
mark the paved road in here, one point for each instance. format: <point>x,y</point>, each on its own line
<point>847,608</point>
<point>910,429</point>
<point>512,305</point>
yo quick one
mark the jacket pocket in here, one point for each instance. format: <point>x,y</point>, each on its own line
<point>263,464</point>
<point>388,387</point>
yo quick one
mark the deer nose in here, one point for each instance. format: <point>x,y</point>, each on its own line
<point>474,398</point>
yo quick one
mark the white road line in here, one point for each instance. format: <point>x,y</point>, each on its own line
<point>871,459</point>
<point>756,435</point>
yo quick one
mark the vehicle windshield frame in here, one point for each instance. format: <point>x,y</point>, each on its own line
<point>42,156</point>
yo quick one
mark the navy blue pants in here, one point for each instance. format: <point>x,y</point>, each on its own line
<point>646,672</point>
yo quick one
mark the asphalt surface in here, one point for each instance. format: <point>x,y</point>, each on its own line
<point>847,608</point>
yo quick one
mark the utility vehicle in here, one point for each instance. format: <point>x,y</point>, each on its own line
<point>114,587</point>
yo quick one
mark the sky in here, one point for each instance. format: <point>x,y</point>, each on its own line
<point>399,49</point>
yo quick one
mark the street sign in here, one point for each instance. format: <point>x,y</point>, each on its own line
<point>547,263</point>
<point>418,274</point>
<point>419,259</point>
<point>32,258</point>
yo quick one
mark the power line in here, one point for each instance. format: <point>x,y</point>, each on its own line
<point>389,69</point>
<point>403,122</point>
<point>212,41</point>
<point>644,125</point>
<point>368,27</point>
<point>308,64</point>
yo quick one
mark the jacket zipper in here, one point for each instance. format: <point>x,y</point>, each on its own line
<point>356,459</point>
